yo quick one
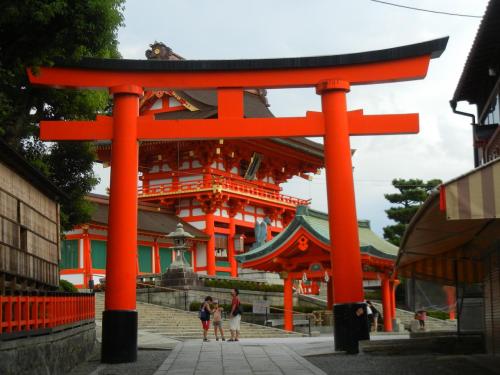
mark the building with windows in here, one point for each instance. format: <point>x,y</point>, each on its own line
<point>29,222</point>
<point>479,84</point>
<point>83,251</point>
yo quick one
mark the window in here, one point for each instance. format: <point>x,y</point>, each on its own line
<point>69,254</point>
<point>98,251</point>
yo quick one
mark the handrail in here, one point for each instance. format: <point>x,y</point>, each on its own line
<point>218,184</point>
<point>29,313</point>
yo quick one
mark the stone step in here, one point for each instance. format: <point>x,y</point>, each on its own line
<point>184,325</point>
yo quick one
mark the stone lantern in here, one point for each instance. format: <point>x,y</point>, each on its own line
<point>180,274</point>
<point>181,240</point>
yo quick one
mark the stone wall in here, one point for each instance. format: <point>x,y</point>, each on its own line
<point>53,354</point>
<point>181,299</point>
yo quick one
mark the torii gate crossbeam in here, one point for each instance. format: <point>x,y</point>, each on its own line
<point>332,77</point>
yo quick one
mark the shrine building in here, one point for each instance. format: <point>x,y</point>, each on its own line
<point>302,252</point>
<point>222,187</point>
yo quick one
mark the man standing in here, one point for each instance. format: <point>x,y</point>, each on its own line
<point>235,316</point>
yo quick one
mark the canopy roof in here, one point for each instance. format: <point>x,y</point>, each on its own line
<point>306,241</point>
<point>449,249</point>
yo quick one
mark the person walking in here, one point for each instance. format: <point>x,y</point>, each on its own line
<point>235,316</point>
<point>369,313</point>
<point>374,318</point>
<point>218,321</point>
<point>421,316</point>
<point>204,316</point>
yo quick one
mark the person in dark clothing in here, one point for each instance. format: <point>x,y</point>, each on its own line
<point>205,312</point>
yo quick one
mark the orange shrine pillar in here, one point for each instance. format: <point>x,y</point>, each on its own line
<point>288,303</point>
<point>87,260</point>
<point>156,251</point>
<point>329,294</point>
<point>119,325</point>
<point>230,247</point>
<point>210,231</point>
<point>394,286</point>
<point>386,304</point>
<point>349,310</point>
<point>451,301</point>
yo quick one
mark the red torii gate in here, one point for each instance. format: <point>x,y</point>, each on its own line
<point>332,77</point>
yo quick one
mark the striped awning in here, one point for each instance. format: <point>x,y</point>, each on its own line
<point>475,195</point>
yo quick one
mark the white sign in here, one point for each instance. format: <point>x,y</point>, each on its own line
<point>260,307</point>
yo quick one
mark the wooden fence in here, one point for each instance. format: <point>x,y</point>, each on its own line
<point>27,314</point>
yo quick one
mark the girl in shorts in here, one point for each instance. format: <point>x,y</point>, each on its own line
<point>217,310</point>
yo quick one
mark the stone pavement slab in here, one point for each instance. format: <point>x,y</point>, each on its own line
<point>145,339</point>
<point>245,357</point>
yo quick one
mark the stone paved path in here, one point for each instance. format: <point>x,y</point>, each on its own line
<point>238,358</point>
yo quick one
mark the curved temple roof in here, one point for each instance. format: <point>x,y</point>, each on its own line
<point>434,48</point>
<point>316,223</point>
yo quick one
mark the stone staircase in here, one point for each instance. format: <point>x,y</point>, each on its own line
<point>431,324</point>
<point>404,316</point>
<point>184,325</point>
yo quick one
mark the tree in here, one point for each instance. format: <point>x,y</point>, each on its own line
<point>412,193</point>
<point>40,33</point>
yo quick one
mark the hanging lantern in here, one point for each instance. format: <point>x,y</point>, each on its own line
<point>304,278</point>
<point>327,278</point>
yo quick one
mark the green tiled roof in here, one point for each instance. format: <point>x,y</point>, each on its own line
<point>316,223</point>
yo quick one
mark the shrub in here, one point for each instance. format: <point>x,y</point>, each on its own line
<point>438,314</point>
<point>66,286</point>
<point>242,285</point>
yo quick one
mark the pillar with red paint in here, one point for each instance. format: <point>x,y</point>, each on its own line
<point>119,324</point>
<point>386,304</point>
<point>350,322</point>
<point>288,303</point>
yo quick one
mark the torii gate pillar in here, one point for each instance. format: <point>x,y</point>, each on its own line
<point>119,336</point>
<point>343,224</point>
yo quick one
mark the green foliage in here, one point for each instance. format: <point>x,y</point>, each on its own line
<point>247,308</point>
<point>37,33</point>
<point>373,295</point>
<point>412,193</point>
<point>438,315</point>
<point>66,286</point>
<point>242,285</point>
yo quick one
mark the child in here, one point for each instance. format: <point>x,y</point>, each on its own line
<point>205,312</point>
<point>217,310</point>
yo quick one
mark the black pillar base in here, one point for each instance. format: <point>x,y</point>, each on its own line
<point>119,336</point>
<point>351,326</point>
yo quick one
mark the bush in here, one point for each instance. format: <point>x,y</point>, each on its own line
<point>195,306</point>
<point>66,286</point>
<point>438,314</point>
<point>242,285</point>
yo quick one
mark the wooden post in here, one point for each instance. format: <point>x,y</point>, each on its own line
<point>119,334</point>
<point>210,231</point>
<point>329,294</point>
<point>386,304</point>
<point>230,247</point>
<point>343,224</point>
<point>288,304</point>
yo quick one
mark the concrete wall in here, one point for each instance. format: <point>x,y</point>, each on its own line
<point>54,354</point>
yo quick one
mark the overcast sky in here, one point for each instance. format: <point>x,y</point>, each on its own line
<point>231,29</point>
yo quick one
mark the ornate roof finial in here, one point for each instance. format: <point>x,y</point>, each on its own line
<point>158,51</point>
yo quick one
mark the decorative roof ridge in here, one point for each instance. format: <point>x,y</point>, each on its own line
<point>307,211</point>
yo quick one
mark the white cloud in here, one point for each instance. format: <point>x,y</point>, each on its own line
<point>225,29</point>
